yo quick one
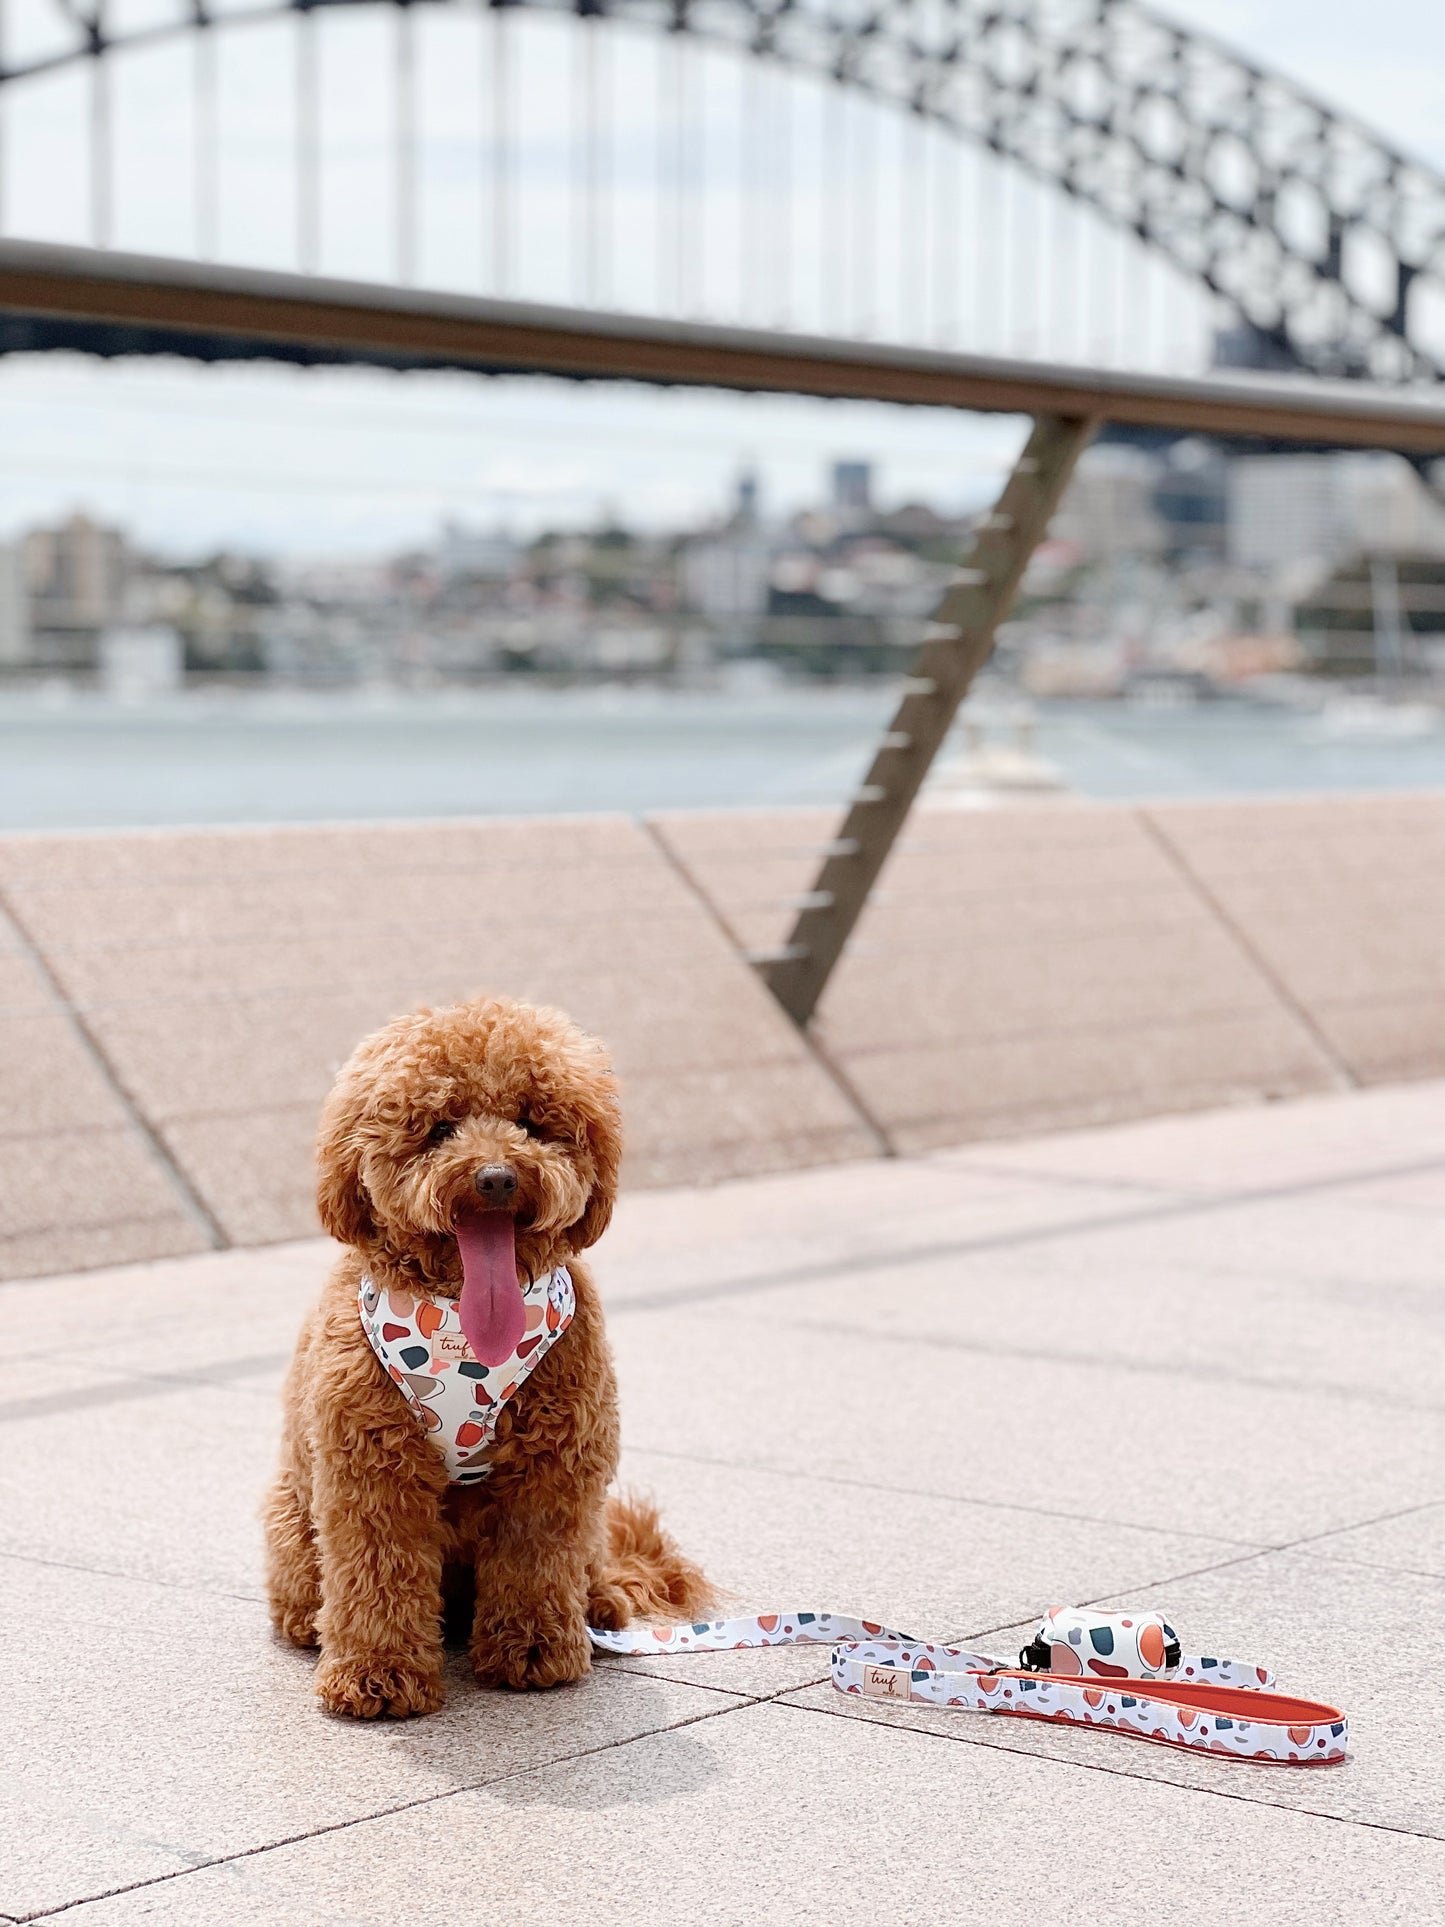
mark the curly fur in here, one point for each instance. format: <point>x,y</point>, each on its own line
<point>365,1536</point>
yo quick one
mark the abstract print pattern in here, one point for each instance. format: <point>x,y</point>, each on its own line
<point>419,1340</point>
<point>1132,1645</point>
<point>1218,1706</point>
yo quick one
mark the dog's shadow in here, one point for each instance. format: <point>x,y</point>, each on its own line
<point>588,1767</point>
<point>640,1772</point>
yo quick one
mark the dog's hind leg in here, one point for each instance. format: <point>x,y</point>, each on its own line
<point>293,1567</point>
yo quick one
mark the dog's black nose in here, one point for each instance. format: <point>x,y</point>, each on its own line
<point>495,1182</point>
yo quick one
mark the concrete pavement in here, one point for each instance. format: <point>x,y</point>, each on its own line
<point>1193,1363</point>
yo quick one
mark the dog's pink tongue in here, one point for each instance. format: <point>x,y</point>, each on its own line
<point>492,1310</point>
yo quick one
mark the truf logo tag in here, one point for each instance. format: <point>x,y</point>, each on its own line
<point>886,1682</point>
<point>450,1345</point>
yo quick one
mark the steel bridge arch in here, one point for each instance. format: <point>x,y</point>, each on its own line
<point>1325,240</point>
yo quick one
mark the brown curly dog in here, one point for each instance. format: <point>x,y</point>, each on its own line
<point>463,1154</point>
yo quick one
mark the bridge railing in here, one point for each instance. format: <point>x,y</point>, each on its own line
<point>121,304</point>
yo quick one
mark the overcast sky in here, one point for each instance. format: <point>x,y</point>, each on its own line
<point>348,462</point>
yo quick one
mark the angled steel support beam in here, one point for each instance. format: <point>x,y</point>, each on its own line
<point>958,643</point>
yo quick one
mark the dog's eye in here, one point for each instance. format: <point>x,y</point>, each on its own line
<point>526,1122</point>
<point>441,1131</point>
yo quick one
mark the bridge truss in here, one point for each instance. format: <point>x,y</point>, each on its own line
<point>1323,242</point>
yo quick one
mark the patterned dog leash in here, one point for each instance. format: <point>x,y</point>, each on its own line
<point>1121,1671</point>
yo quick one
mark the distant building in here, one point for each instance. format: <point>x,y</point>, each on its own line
<point>725,575</point>
<point>1108,508</point>
<point>1393,511</point>
<point>853,491</point>
<point>1289,509</point>
<point>76,576</point>
<point>475,552</point>
<point>1191,498</point>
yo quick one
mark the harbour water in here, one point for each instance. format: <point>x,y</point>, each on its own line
<point>82,762</point>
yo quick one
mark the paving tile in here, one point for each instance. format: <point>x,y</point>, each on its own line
<point>55,1380</point>
<point>179,1424</point>
<point>1317,1236</point>
<point>1337,1135</point>
<point>201,1313</point>
<point>115,1504</point>
<point>717,1124</point>
<point>256,1170</point>
<point>750,865</point>
<point>1314,836</point>
<point>1341,900</point>
<point>1331,1631</point>
<point>469,907</point>
<point>731,836</point>
<point>21,987</point>
<point>800,1226</point>
<point>86,1196</point>
<point>81,1180</point>
<point>48,1081</point>
<point>1383,1041</point>
<point>1147,1449</point>
<point>317,849</point>
<point>236,1055</point>
<point>179,1731</point>
<point>666,1161</point>
<point>1256,1297</point>
<point>1389,949</point>
<point>904,997</point>
<point>775,1815</point>
<point>62,1248</point>
<point>934,1095</point>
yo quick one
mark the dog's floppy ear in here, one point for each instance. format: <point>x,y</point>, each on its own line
<point>341,1200</point>
<point>603,1114</point>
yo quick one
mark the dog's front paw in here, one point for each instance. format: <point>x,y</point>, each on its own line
<point>373,1684</point>
<point>546,1647</point>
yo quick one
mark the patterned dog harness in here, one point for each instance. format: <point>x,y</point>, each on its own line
<point>1218,1706</point>
<point>419,1340</point>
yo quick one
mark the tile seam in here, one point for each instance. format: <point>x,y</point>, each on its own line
<point>386,1813</point>
<point>1339,1067</point>
<point>131,1579</point>
<point>836,1076</point>
<point>1177,1207</point>
<point>1137,1367</point>
<point>188,1198</point>
<point>1119,1772</point>
<point>104,1224</point>
<point>136,1386</point>
<point>1245,1548</point>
